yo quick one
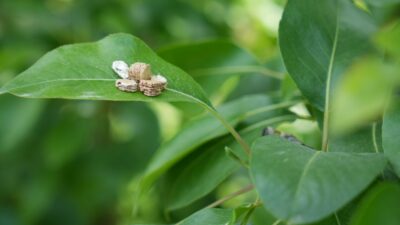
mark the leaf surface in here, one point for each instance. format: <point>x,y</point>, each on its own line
<point>390,134</point>
<point>200,176</point>
<point>83,71</point>
<point>380,206</point>
<point>300,185</point>
<point>318,39</point>
<point>210,217</point>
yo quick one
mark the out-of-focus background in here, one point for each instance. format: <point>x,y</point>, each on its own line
<point>76,162</point>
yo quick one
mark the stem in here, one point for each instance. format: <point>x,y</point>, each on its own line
<point>232,130</point>
<point>251,210</point>
<point>271,107</point>
<point>277,222</point>
<point>374,138</point>
<point>234,133</point>
<point>337,219</point>
<point>225,123</point>
<point>268,122</point>
<point>325,134</point>
<point>230,196</point>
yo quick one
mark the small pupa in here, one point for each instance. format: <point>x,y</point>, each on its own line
<point>121,68</point>
<point>139,71</point>
<point>154,86</point>
<point>126,85</point>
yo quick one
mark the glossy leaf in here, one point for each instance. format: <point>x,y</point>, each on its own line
<point>209,217</point>
<point>83,71</point>
<point>300,185</point>
<point>380,206</point>
<point>390,134</point>
<point>318,39</point>
<point>198,132</point>
<point>216,216</point>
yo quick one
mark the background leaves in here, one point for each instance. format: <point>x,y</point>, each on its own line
<point>380,206</point>
<point>201,130</point>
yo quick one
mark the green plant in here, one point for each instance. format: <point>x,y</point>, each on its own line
<point>332,51</point>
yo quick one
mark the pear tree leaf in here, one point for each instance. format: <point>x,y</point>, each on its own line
<point>390,134</point>
<point>83,71</point>
<point>209,216</point>
<point>300,185</point>
<point>318,40</point>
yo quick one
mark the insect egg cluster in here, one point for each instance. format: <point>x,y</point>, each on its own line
<point>138,76</point>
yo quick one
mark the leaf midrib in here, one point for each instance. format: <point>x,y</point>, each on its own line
<point>325,133</point>
<point>51,81</point>
<point>5,89</point>
<point>301,180</point>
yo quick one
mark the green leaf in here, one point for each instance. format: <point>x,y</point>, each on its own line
<point>361,96</point>
<point>288,88</point>
<point>301,185</point>
<point>380,206</point>
<point>390,134</point>
<point>363,140</point>
<point>198,132</point>
<point>83,71</point>
<point>261,217</point>
<point>216,216</point>
<point>209,217</point>
<point>318,39</point>
<point>197,178</point>
<point>200,176</point>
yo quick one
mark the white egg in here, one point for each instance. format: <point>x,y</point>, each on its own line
<point>121,68</point>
